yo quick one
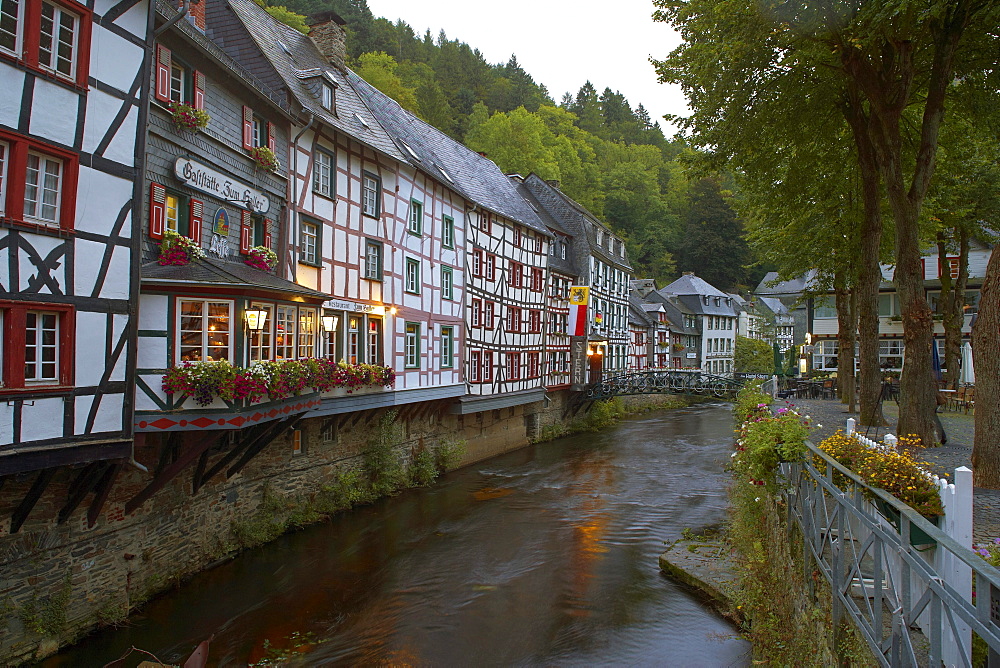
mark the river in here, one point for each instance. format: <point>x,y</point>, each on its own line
<point>545,556</point>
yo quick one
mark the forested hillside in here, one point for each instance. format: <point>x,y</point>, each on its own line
<point>610,157</point>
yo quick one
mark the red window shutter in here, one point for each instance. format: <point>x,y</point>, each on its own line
<point>197,215</point>
<point>157,210</point>
<point>162,73</point>
<point>199,90</point>
<point>245,232</point>
<point>267,232</point>
<point>247,127</point>
<point>270,137</point>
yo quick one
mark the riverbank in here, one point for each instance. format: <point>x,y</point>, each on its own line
<point>62,580</point>
<point>706,563</point>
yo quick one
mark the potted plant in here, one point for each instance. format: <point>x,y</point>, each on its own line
<point>264,158</point>
<point>261,257</point>
<point>678,347</point>
<point>176,249</point>
<point>186,117</point>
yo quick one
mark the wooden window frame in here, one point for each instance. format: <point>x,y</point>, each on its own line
<point>515,275</point>
<point>233,330</point>
<point>448,232</point>
<point>415,333</point>
<point>28,34</point>
<point>317,255</point>
<point>476,316</point>
<point>414,264</point>
<point>13,342</point>
<point>324,187</point>
<point>367,273</point>
<point>447,341</point>
<point>475,366</point>
<point>447,283</point>
<point>376,194</point>
<point>15,182</point>
<point>415,219</point>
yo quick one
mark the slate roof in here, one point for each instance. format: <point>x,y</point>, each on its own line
<point>697,305</point>
<point>775,305</point>
<point>446,160</point>
<point>301,66</point>
<point>211,271</point>
<point>795,286</point>
<point>167,11</point>
<point>556,262</point>
<point>638,312</point>
<point>575,219</point>
<point>689,284</point>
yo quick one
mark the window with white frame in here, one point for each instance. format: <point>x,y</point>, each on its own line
<point>307,333</point>
<point>491,267</point>
<point>326,96</point>
<point>475,315</point>
<point>513,366</point>
<point>411,345</point>
<point>43,189</point>
<point>309,242</point>
<point>374,340</point>
<point>447,347</point>
<point>323,173</point>
<point>373,259</point>
<point>11,20</point>
<point>58,43</point>
<point>448,232</point>
<point>475,362</point>
<point>412,276</point>
<point>487,366</point>
<point>204,330</point>
<point>371,203</point>
<point>284,332</point>
<point>41,347</point>
<point>489,311</point>
<point>447,283</point>
<point>416,222</point>
<point>260,342</point>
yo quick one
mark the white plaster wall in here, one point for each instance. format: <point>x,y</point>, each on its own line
<point>142,401</point>
<point>116,284</point>
<point>6,423</point>
<point>81,409</point>
<point>118,323</point>
<point>89,255</point>
<point>54,112</point>
<point>153,312</point>
<point>152,352</point>
<point>42,419</point>
<point>109,414</point>
<point>100,197</point>
<point>122,147</point>
<point>91,335</point>
<point>12,85</point>
<point>114,60</point>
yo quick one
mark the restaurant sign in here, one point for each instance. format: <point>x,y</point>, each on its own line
<point>354,307</point>
<point>202,177</point>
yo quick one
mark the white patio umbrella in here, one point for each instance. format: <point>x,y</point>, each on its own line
<point>968,374</point>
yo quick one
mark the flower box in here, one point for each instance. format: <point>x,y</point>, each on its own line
<point>264,158</point>
<point>187,118</point>
<point>918,537</point>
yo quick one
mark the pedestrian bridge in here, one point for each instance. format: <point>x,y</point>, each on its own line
<point>665,381</point>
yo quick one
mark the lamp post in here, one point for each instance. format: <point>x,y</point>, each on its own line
<point>255,318</point>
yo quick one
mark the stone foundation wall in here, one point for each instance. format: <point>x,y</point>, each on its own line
<point>59,581</point>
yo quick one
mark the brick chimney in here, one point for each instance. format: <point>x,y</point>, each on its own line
<point>326,29</point>
<point>196,13</point>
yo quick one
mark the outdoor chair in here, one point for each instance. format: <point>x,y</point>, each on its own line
<point>968,400</point>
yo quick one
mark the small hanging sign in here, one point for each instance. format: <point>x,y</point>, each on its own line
<point>220,223</point>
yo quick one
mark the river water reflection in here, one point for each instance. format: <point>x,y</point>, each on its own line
<point>546,556</point>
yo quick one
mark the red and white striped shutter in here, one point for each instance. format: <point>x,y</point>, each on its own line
<point>247,127</point>
<point>270,137</point>
<point>245,232</point>
<point>162,92</point>
<point>267,232</point>
<point>157,210</point>
<point>194,222</point>
<point>199,90</point>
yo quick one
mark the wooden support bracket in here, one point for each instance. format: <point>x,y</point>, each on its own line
<point>102,492</point>
<point>82,485</point>
<point>170,471</point>
<point>20,514</point>
<point>263,441</point>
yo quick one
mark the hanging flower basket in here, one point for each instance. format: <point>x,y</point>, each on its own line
<point>186,117</point>
<point>264,158</point>
<point>176,249</point>
<point>203,381</point>
<point>260,257</point>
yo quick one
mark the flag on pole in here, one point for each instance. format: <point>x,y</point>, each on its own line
<point>579,295</point>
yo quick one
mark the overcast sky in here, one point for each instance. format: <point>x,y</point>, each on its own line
<point>561,43</point>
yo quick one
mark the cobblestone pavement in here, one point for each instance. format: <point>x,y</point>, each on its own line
<point>829,415</point>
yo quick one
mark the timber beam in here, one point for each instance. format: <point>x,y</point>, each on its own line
<point>22,511</point>
<point>170,471</point>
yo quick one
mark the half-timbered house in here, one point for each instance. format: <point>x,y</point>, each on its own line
<point>602,262</point>
<point>371,226</point>
<point>71,117</point>
<point>216,191</point>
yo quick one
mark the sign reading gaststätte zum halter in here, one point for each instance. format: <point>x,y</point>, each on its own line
<point>215,183</point>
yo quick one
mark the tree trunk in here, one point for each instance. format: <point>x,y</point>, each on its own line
<point>846,335</point>
<point>952,307</point>
<point>869,271</point>
<point>851,394</point>
<point>986,356</point>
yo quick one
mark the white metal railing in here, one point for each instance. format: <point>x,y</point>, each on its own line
<point>906,584</point>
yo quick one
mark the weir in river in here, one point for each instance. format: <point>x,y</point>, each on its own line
<point>543,556</point>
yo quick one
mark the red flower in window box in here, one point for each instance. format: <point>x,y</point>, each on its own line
<point>188,118</point>
<point>264,158</point>
<point>177,249</point>
<point>261,257</point>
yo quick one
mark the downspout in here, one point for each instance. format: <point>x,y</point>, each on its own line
<point>295,199</point>
<point>173,21</point>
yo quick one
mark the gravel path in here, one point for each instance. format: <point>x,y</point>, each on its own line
<point>829,415</point>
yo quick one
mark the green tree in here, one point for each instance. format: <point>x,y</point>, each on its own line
<point>713,244</point>
<point>753,356</point>
<point>379,69</point>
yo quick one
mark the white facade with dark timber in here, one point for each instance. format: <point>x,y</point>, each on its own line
<point>70,147</point>
<point>368,226</point>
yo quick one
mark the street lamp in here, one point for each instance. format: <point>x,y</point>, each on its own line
<point>256,318</point>
<point>330,323</point>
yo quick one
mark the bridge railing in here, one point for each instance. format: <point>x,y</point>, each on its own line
<point>664,381</point>
<point>906,583</point>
